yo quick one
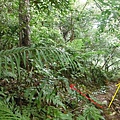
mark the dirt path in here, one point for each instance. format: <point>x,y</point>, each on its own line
<point>104,95</point>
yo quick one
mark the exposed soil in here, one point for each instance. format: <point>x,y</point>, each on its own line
<point>105,97</point>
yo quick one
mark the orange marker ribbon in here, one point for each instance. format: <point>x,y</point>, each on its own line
<point>72,87</point>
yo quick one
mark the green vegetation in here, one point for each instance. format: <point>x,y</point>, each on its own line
<point>47,45</point>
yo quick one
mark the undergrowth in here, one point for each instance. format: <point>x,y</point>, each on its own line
<point>35,83</point>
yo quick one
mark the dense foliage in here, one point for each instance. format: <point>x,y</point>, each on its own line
<point>71,42</point>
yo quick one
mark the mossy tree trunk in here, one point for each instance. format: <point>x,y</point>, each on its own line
<point>24,20</point>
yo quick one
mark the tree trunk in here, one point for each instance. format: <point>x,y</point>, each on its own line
<point>24,20</point>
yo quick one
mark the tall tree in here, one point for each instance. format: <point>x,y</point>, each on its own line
<point>24,15</point>
<point>24,19</point>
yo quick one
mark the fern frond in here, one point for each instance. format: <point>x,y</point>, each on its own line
<point>10,59</point>
<point>7,114</point>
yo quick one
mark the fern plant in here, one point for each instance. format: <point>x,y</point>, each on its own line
<point>10,60</point>
<point>7,114</point>
<point>92,113</point>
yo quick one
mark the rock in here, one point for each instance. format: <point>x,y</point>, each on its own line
<point>112,114</point>
<point>105,102</point>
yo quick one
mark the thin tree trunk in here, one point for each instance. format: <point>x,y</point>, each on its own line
<point>24,36</point>
<point>24,20</point>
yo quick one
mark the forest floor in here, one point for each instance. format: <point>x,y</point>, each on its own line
<point>105,96</point>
